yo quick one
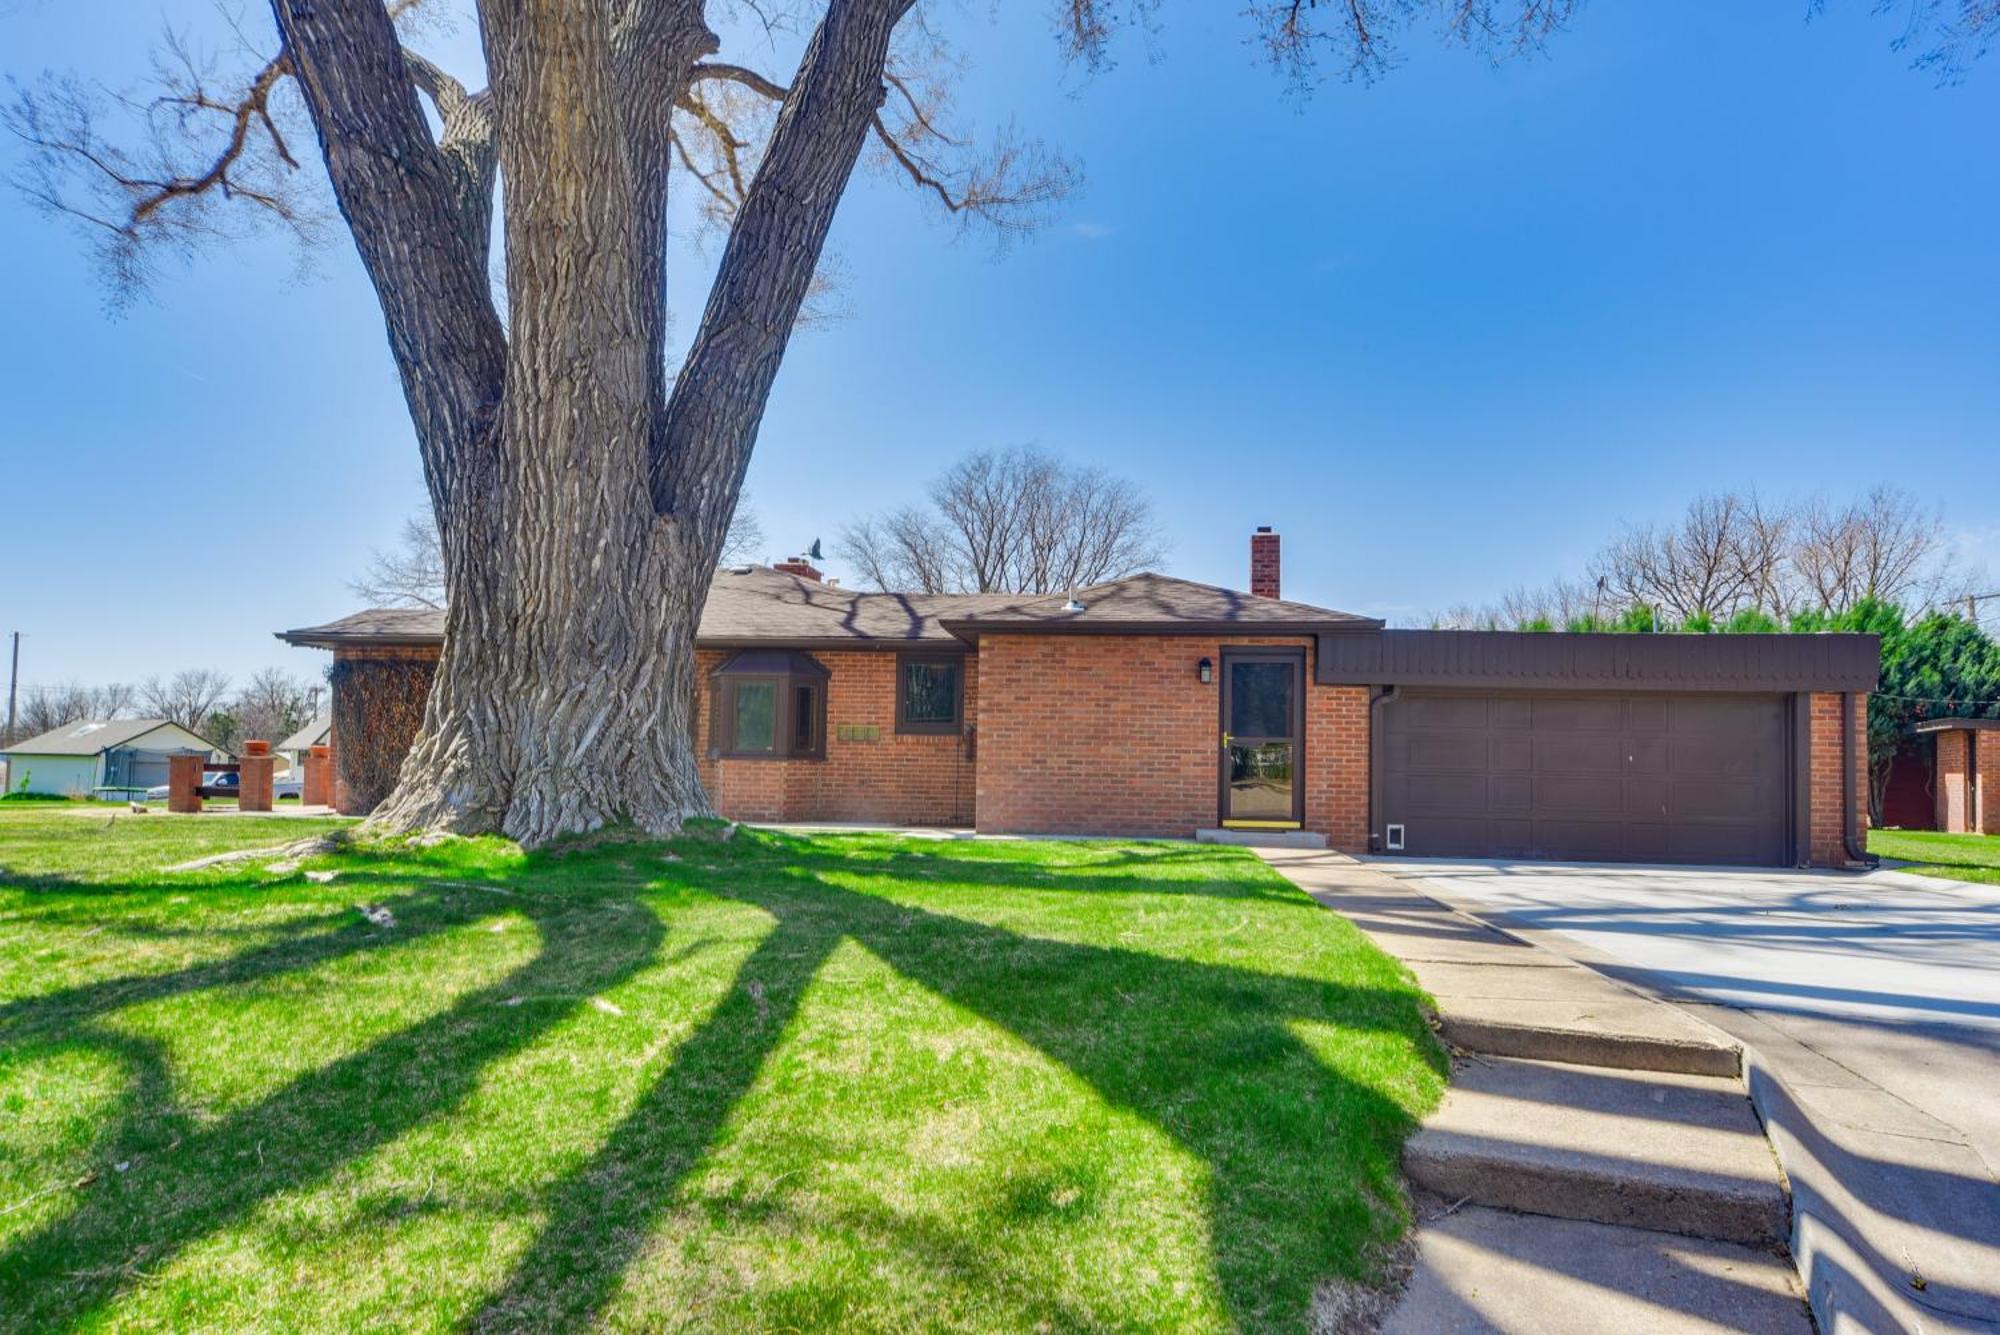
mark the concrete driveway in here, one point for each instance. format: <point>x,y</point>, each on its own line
<point>1873,1001</point>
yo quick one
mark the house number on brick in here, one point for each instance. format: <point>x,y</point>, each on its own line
<point>858,732</point>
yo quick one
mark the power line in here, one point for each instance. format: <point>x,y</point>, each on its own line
<point>1951,700</point>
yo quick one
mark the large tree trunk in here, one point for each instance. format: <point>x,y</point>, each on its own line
<point>564,697</point>
<point>577,713</point>
<point>580,506</point>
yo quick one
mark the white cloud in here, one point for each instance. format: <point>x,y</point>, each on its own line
<point>1092,231</point>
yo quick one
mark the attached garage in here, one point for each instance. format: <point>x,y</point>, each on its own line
<point>1744,750</point>
<point>1654,778</point>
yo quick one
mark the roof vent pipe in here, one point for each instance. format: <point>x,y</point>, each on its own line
<point>1074,604</point>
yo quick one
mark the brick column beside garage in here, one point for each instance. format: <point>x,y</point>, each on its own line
<point>1826,844</point>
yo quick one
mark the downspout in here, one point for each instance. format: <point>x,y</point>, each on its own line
<point>1847,830</point>
<point>1382,696</point>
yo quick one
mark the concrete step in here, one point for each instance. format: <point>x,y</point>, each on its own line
<point>1551,1010</point>
<point>1659,1150</point>
<point>1480,1270</point>
<point>1293,839</point>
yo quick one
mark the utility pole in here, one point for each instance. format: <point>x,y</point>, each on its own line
<point>13,677</point>
<point>1972,602</point>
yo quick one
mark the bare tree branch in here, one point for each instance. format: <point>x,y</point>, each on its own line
<point>186,698</point>
<point>1017,521</point>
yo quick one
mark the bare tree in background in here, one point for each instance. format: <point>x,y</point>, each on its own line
<point>1723,555</point>
<point>1886,545</point>
<point>1008,521</point>
<point>273,705</point>
<point>412,573</point>
<point>46,708</point>
<point>116,699</point>
<point>187,698</point>
<point>1732,553</point>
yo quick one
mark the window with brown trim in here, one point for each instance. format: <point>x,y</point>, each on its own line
<point>930,693</point>
<point>770,705</point>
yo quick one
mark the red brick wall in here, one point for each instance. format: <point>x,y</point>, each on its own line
<point>1264,564</point>
<point>1986,781</point>
<point>1954,781</point>
<point>1826,835</point>
<point>1114,734</point>
<point>1968,781</point>
<point>895,779</point>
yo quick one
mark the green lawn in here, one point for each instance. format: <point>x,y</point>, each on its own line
<point>1958,857</point>
<point>761,1083</point>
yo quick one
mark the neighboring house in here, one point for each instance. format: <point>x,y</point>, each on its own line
<point>295,747</point>
<point>1161,707</point>
<point>1965,771</point>
<point>100,758</point>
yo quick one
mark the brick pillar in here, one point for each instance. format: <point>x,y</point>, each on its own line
<point>338,787</point>
<point>318,788</point>
<point>254,777</point>
<point>1954,781</point>
<point>1985,806</point>
<point>1264,563</point>
<point>1826,844</point>
<point>183,777</point>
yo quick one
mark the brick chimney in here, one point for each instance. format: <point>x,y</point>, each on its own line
<point>798,565</point>
<point>1263,562</point>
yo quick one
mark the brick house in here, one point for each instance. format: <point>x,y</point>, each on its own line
<point>1965,774</point>
<point>1161,707</point>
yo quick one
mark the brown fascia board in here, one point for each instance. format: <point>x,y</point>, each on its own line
<point>970,631</point>
<point>1958,725</point>
<point>1603,661</point>
<point>307,639</point>
<point>935,644</point>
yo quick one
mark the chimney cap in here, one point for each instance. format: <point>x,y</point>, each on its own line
<point>1263,528</point>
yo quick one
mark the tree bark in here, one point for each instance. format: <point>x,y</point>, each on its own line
<point>581,508</point>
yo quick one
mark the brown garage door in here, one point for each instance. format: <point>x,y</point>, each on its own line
<point>1686,778</point>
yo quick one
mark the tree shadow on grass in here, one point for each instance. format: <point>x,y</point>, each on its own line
<point>1301,1161</point>
<point>64,1272</point>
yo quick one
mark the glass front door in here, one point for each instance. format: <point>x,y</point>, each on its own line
<point>1260,738</point>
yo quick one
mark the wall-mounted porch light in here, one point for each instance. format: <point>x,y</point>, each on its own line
<point>1206,671</point>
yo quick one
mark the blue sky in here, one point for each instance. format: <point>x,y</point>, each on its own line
<point>1445,332</point>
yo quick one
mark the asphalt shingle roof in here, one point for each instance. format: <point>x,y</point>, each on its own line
<point>88,737</point>
<point>759,605</point>
<point>313,734</point>
<point>1158,603</point>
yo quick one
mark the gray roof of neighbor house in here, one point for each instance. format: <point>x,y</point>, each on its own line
<point>89,737</point>
<point>313,734</point>
<point>760,606</point>
<point>1960,724</point>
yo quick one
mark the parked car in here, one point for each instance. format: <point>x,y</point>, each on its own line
<point>212,779</point>
<point>282,787</point>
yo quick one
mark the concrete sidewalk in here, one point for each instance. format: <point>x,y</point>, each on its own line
<point>1864,1008</point>
<point>1596,1164</point>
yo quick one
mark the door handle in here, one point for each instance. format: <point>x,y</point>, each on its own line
<point>1227,738</point>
